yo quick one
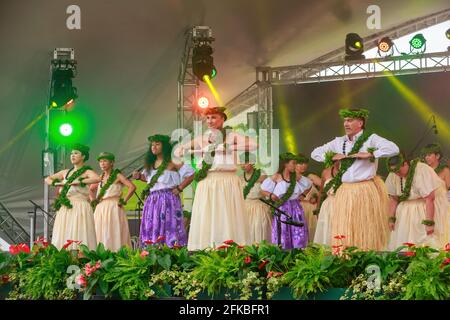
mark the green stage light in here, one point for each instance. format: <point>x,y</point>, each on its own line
<point>418,41</point>
<point>66,129</point>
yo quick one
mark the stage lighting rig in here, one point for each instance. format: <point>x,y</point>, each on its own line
<point>202,59</point>
<point>354,47</point>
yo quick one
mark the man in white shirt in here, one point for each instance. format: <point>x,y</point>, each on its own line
<point>361,203</point>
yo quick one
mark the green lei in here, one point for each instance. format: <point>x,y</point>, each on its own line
<point>154,179</point>
<point>211,153</point>
<point>409,180</point>
<point>251,182</point>
<point>103,190</point>
<point>289,192</point>
<point>347,163</point>
<point>62,199</point>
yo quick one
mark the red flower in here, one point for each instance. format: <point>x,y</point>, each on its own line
<point>24,248</point>
<point>160,239</point>
<point>144,253</point>
<point>5,278</point>
<point>222,247</point>
<point>240,247</point>
<point>176,245</point>
<point>69,243</point>
<point>278,274</point>
<point>89,270</point>
<point>247,260</point>
<point>81,280</point>
<point>229,242</point>
<point>446,262</point>
<point>270,275</point>
<point>410,254</point>
<point>409,244</point>
<point>447,247</point>
<point>263,264</point>
<point>14,249</point>
<point>148,242</point>
<point>339,237</point>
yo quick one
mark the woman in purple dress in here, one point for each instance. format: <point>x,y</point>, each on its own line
<point>162,219</point>
<point>284,190</point>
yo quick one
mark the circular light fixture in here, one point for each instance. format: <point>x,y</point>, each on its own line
<point>418,41</point>
<point>66,129</point>
<point>203,102</point>
<point>385,44</point>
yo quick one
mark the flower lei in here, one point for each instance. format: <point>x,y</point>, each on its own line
<point>251,182</point>
<point>154,179</point>
<point>62,199</point>
<point>347,163</point>
<point>103,189</point>
<point>409,180</point>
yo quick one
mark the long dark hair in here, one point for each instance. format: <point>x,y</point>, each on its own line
<point>150,158</point>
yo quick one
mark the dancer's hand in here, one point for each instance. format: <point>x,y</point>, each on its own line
<point>429,229</point>
<point>274,197</point>
<point>339,156</point>
<point>175,191</point>
<point>136,175</point>
<point>361,155</point>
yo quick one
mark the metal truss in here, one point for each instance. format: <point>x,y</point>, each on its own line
<point>357,69</point>
<point>11,227</point>
<point>332,67</point>
<point>188,83</point>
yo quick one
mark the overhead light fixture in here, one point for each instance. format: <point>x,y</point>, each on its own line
<point>63,93</point>
<point>385,47</point>
<point>418,43</point>
<point>203,62</point>
<point>354,47</point>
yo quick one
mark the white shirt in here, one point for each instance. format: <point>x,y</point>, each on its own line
<point>280,188</point>
<point>169,179</point>
<point>361,169</point>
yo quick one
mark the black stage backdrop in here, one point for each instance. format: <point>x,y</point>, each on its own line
<point>309,112</point>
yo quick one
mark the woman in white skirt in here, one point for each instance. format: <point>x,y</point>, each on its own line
<point>218,211</point>
<point>111,223</point>
<point>419,205</point>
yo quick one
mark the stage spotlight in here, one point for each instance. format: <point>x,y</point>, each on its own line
<point>203,62</point>
<point>65,129</point>
<point>418,43</point>
<point>62,91</point>
<point>385,47</point>
<point>448,34</point>
<point>354,47</point>
<point>203,102</point>
<point>385,44</point>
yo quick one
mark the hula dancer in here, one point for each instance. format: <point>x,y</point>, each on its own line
<point>218,211</point>
<point>323,229</point>
<point>310,197</point>
<point>432,154</point>
<point>162,218</point>
<point>419,205</point>
<point>74,216</point>
<point>111,223</point>
<point>258,213</point>
<point>361,202</point>
<point>284,190</point>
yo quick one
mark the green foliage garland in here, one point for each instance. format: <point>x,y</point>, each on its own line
<point>154,179</point>
<point>251,182</point>
<point>103,189</point>
<point>288,194</point>
<point>409,180</point>
<point>329,158</point>
<point>62,199</point>
<point>347,163</point>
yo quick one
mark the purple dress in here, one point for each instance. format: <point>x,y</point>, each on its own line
<point>162,215</point>
<point>291,236</point>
